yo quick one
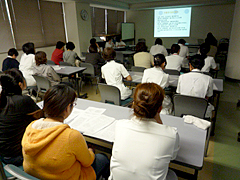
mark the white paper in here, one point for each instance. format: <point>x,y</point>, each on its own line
<point>75,112</point>
<point>106,134</point>
<point>93,110</point>
<point>40,104</point>
<point>57,67</point>
<point>136,78</point>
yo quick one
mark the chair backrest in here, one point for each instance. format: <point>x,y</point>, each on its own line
<point>137,69</point>
<point>172,72</point>
<point>62,63</point>
<point>109,94</point>
<point>42,82</point>
<point>18,173</point>
<point>119,56</point>
<point>49,62</point>
<point>2,173</point>
<point>189,105</point>
<point>89,70</point>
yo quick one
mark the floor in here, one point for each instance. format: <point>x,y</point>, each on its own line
<point>223,160</point>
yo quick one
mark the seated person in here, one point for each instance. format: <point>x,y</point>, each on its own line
<point>174,61</point>
<point>195,83</point>
<point>94,42</point>
<point>53,150</point>
<point>57,54</point>
<point>70,56</point>
<point>144,146</point>
<point>209,60</point>
<point>109,43</point>
<point>14,116</point>
<point>119,42</point>
<point>158,76</point>
<point>184,52</point>
<point>113,73</point>
<point>27,62</point>
<point>11,62</point>
<point>42,69</point>
<point>158,48</point>
<point>95,59</point>
<point>142,58</point>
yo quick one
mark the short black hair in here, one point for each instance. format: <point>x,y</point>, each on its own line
<point>70,46</point>
<point>181,41</point>
<point>108,54</point>
<point>204,48</point>
<point>141,47</point>
<point>12,52</point>
<point>197,61</point>
<point>93,41</point>
<point>175,48</point>
<point>158,41</point>
<point>28,48</point>
<point>60,44</point>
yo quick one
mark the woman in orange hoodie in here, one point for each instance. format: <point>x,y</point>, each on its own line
<point>52,150</point>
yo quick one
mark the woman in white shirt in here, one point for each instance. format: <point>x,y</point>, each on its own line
<point>27,62</point>
<point>158,48</point>
<point>109,43</point>
<point>158,76</point>
<point>143,146</point>
<point>119,43</point>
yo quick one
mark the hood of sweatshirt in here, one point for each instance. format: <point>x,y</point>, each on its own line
<point>34,140</point>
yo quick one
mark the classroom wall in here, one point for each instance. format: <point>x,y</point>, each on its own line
<point>216,19</point>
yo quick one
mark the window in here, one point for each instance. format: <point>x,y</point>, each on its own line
<point>37,21</point>
<point>112,17</point>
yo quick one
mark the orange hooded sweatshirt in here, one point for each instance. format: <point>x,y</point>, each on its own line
<point>58,152</point>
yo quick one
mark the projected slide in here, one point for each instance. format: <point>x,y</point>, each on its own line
<point>172,22</point>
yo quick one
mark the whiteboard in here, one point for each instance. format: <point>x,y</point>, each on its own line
<point>127,31</point>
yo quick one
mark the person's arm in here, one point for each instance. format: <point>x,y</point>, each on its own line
<point>52,73</point>
<point>165,53</point>
<point>176,147</point>
<point>210,89</point>
<point>125,73</point>
<point>79,147</point>
<point>213,64</point>
<point>151,60</point>
<point>179,84</point>
<point>129,78</point>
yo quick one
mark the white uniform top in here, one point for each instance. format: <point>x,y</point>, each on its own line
<point>26,66</point>
<point>184,52</point>
<point>142,149</point>
<point>109,45</point>
<point>174,62</point>
<point>120,44</point>
<point>156,49</point>
<point>195,84</point>
<point>209,63</point>
<point>143,59</point>
<point>156,75</point>
<point>113,72</point>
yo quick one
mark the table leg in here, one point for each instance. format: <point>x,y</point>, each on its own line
<point>214,119</point>
<point>195,176</point>
<point>78,89</point>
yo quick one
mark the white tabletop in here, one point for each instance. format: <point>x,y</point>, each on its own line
<point>173,80</point>
<point>192,139</point>
<point>68,70</point>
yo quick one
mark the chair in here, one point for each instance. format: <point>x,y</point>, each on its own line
<point>111,94</point>
<point>90,72</point>
<point>43,84</point>
<point>62,63</point>
<point>2,172</point>
<point>49,62</point>
<point>189,105</point>
<point>172,72</point>
<point>119,57</point>
<point>137,69</point>
<point>18,173</point>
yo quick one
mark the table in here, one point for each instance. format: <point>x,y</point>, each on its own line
<point>68,71</point>
<point>192,139</point>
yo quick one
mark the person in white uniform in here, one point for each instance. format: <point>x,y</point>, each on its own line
<point>196,83</point>
<point>184,52</point>
<point>142,58</point>
<point>114,73</point>
<point>158,48</point>
<point>144,146</point>
<point>209,60</point>
<point>109,43</point>
<point>27,62</point>
<point>158,76</point>
<point>174,61</point>
<point>119,43</point>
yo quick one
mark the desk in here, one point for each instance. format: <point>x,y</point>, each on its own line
<point>192,139</point>
<point>68,71</point>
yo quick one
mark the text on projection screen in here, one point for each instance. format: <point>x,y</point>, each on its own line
<point>172,22</point>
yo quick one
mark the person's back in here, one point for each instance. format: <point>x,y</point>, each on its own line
<point>184,52</point>
<point>14,116</point>
<point>209,62</point>
<point>10,62</point>
<point>70,56</point>
<point>174,61</point>
<point>57,54</point>
<point>158,48</point>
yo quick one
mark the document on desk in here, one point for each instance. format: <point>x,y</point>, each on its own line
<point>75,112</point>
<point>57,67</point>
<point>93,110</point>
<point>106,134</point>
<point>136,78</point>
